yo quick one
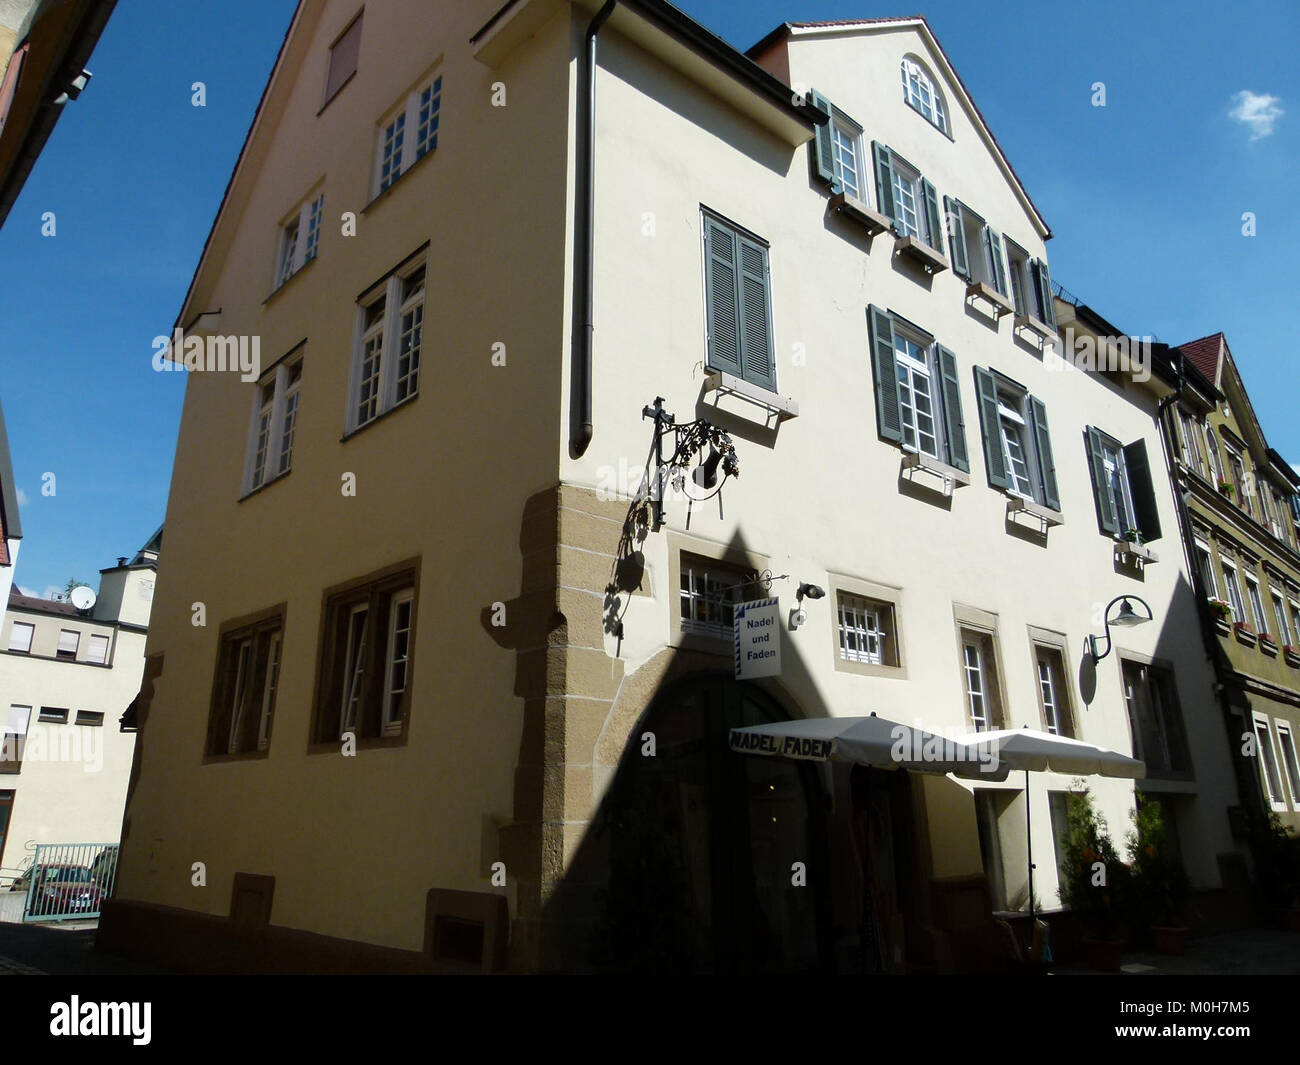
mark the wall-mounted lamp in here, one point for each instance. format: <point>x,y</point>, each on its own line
<point>1127,618</point>
<point>797,613</point>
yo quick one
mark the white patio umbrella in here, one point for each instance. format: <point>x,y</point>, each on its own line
<point>1037,752</point>
<point>872,741</point>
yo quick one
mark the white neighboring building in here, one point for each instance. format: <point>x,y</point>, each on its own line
<point>11,530</point>
<point>66,678</point>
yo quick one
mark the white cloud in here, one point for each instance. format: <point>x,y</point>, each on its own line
<point>1258,111</point>
<point>22,498</point>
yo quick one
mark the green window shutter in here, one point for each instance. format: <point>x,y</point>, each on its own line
<point>823,154</point>
<point>889,417</point>
<point>954,425</point>
<point>884,160</point>
<point>1142,488</point>
<point>756,355</point>
<point>957,236</point>
<point>1043,445</point>
<point>986,389</point>
<point>720,284</point>
<point>993,249</point>
<point>1106,518</point>
<point>1043,285</point>
<point>933,221</point>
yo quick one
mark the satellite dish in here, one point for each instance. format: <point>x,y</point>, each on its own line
<point>82,597</point>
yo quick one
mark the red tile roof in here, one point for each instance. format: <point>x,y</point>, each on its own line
<point>1204,355</point>
<point>43,606</point>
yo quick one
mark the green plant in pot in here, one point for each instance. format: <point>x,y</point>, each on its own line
<point>1220,608</point>
<point>1133,536</point>
<point>1093,879</point>
<point>1158,884</point>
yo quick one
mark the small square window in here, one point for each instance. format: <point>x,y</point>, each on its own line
<point>866,631</point>
<point>91,718</point>
<point>98,651</point>
<point>53,715</point>
<point>708,593</point>
<point>69,641</point>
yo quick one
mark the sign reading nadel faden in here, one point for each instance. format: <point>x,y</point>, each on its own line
<point>789,746</point>
<point>758,639</point>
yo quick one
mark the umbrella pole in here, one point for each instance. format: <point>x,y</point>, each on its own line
<point>1029,845</point>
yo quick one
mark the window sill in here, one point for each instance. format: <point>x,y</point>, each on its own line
<point>1046,516</point>
<point>1245,634</point>
<point>851,207</point>
<point>384,194</point>
<point>998,303</point>
<point>922,253</point>
<point>1269,647</point>
<point>1128,551</point>
<point>265,485</point>
<point>869,669</point>
<point>239,756</point>
<point>379,417</point>
<point>1292,656</point>
<point>290,279</point>
<point>366,743</point>
<point>1035,325</point>
<point>951,476</point>
<point>782,408</point>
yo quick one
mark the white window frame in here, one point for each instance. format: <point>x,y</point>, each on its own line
<point>1012,419</point>
<point>1295,619</point>
<point>1290,760</point>
<point>917,82</point>
<point>391,724</point>
<point>279,410</point>
<point>861,623</point>
<point>407,117</point>
<point>299,241</point>
<point>1053,694</point>
<point>1205,559</point>
<point>1187,424</point>
<point>1256,602</point>
<point>846,140</point>
<point>701,581</point>
<point>1277,802</point>
<point>106,645</point>
<point>386,330</point>
<point>1232,585</point>
<point>245,652</point>
<point>269,687</point>
<point>907,182</point>
<point>1113,463</point>
<point>909,370</point>
<point>75,645</point>
<point>14,644</point>
<point>975,669</point>
<point>354,667</point>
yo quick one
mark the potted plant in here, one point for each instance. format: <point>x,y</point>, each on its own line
<point>1158,883</point>
<point>1219,608</point>
<point>1133,536</point>
<point>1225,487</point>
<point>1092,879</point>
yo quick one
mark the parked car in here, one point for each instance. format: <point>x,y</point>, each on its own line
<point>59,890</point>
<point>103,870</point>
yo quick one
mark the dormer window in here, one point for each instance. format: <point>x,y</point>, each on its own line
<point>921,95</point>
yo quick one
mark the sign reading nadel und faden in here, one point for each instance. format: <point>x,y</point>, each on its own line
<point>757,637</point>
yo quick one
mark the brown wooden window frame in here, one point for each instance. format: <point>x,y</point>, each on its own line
<point>378,593</point>
<point>261,631</point>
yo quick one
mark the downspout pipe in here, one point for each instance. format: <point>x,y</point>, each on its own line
<point>585,236</point>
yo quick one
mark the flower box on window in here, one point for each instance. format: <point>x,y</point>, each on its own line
<point>1226,488</point>
<point>1292,656</point>
<point>1132,551</point>
<point>922,253</point>
<point>1268,644</point>
<point>851,207</point>
<point>999,303</point>
<point>1245,633</point>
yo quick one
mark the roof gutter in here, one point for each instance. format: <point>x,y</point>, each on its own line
<point>585,236</point>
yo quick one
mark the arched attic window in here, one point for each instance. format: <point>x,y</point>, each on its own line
<point>921,94</point>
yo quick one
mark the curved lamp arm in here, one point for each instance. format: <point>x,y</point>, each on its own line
<point>1092,640</point>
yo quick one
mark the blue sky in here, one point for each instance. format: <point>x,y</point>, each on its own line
<point>1145,196</point>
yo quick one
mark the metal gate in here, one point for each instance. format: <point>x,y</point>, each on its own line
<point>68,881</point>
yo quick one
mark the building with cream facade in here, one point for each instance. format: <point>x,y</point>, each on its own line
<point>67,676</point>
<point>452,699</point>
